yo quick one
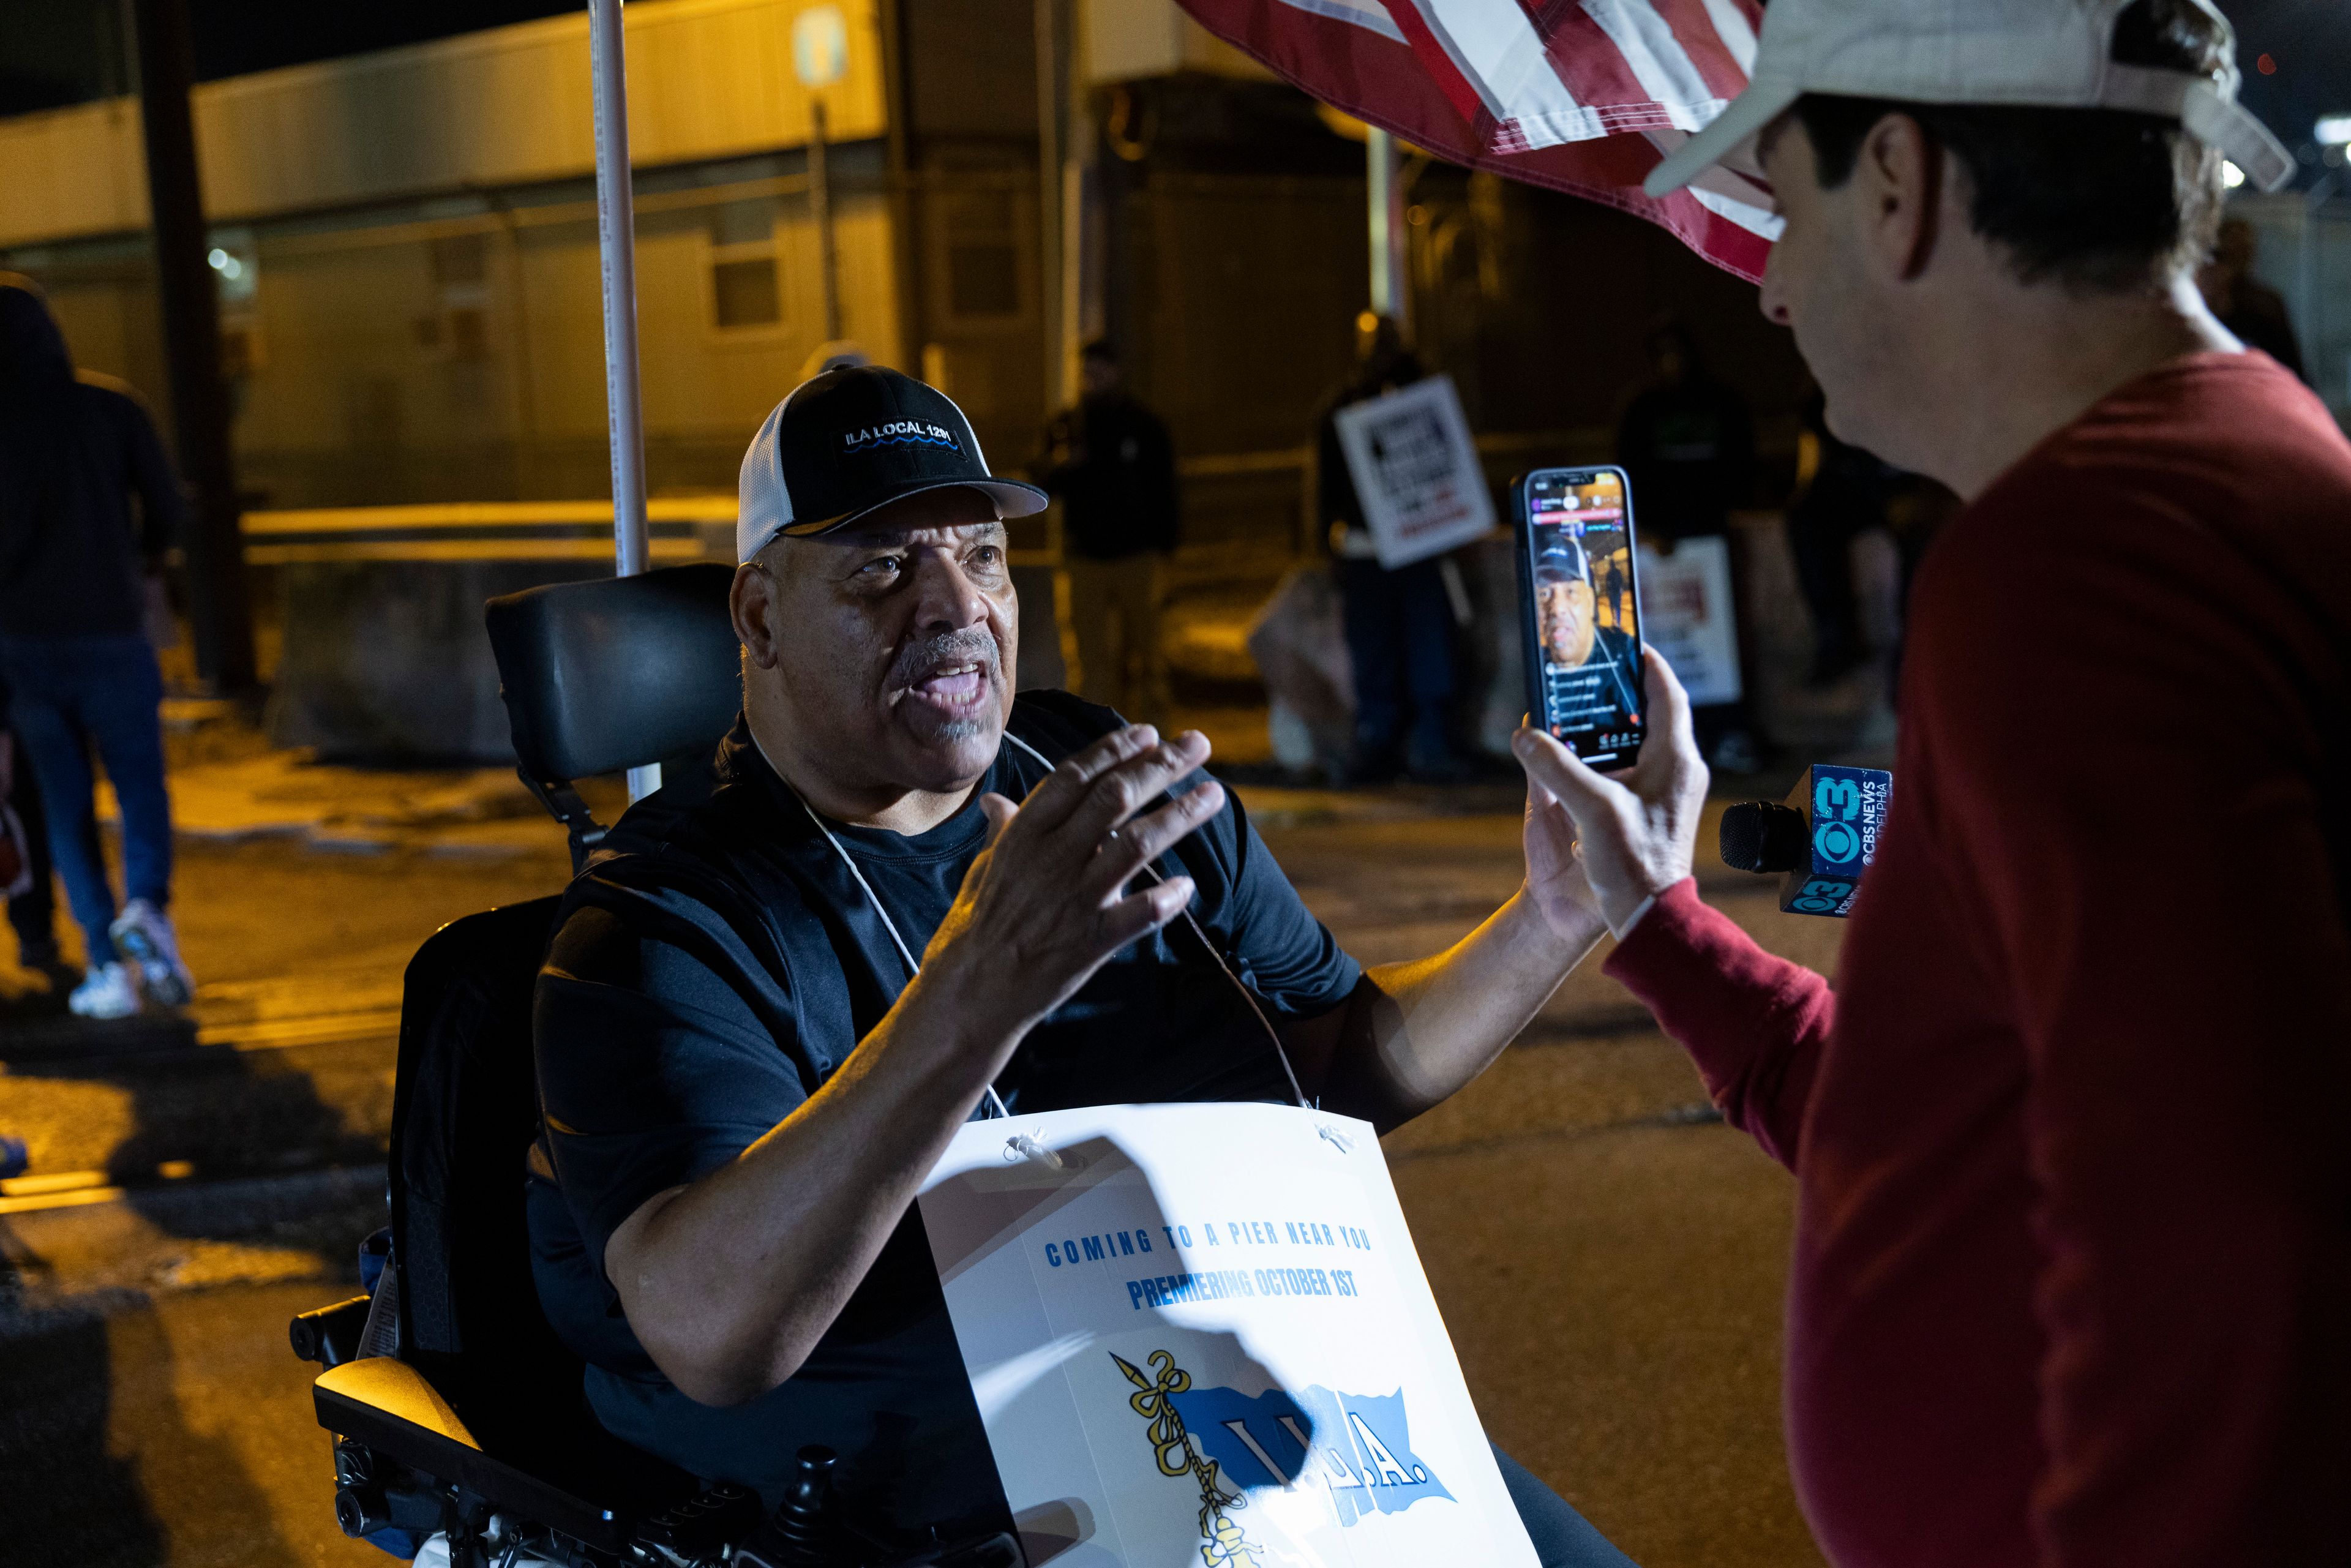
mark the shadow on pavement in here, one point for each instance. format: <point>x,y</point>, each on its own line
<point>104,1465</point>
<point>70,1496</point>
<point>209,1110</point>
<point>130,1406</point>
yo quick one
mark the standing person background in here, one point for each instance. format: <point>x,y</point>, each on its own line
<point>2072,1257</point>
<point>34,912</point>
<point>1110,461</point>
<point>1688,445</point>
<point>89,506</point>
<point>1399,624</point>
<point>1841,494</point>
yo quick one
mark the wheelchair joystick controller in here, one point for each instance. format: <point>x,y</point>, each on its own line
<point>802,1534</point>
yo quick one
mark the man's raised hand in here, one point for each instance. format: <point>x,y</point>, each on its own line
<point>1046,905</point>
<point>1637,831</point>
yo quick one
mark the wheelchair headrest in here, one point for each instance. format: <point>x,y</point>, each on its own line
<point>619,672</point>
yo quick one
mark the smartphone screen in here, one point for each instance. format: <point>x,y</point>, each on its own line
<point>1581,611</point>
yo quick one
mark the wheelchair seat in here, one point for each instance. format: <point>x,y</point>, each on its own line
<point>479,1411</point>
<point>469,1417</point>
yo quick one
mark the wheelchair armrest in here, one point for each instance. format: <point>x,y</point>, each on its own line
<point>390,1408</point>
<point>329,1335</point>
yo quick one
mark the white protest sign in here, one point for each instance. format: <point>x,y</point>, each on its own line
<point>1206,1339</point>
<point>1687,615</point>
<point>1416,471</point>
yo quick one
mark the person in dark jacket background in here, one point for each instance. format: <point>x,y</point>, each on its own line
<point>88,506</point>
<point>1842,493</point>
<point>1399,623</point>
<point>1110,464</point>
<point>1688,445</point>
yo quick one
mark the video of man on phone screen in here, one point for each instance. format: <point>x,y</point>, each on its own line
<point>1584,615</point>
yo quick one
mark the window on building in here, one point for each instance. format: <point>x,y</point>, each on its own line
<point>460,262</point>
<point>979,258</point>
<point>984,279</point>
<point>457,328</point>
<point>745,292</point>
<point>746,280</point>
<point>469,333</point>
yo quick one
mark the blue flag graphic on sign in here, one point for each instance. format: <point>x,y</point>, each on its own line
<point>1359,1446</point>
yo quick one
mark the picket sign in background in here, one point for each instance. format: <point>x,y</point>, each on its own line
<point>1416,471</point>
<point>1687,614</point>
<point>1206,1339</point>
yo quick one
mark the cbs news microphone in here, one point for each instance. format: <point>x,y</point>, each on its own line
<point>1819,842</point>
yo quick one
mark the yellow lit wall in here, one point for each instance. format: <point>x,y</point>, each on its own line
<point>707,78</point>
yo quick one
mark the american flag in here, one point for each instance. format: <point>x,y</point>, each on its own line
<point>1583,96</point>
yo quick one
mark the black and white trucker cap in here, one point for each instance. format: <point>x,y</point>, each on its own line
<point>852,439</point>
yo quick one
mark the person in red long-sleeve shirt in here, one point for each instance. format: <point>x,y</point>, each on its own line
<point>2073,1264</point>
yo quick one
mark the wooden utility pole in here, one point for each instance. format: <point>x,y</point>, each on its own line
<point>219,602</point>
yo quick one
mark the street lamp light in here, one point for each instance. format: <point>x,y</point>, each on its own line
<point>2333,130</point>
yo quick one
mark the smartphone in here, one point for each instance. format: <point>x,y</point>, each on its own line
<point>1580,605</point>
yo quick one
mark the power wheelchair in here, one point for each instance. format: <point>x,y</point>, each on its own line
<point>453,1408</point>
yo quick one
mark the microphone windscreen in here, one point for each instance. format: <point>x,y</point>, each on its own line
<point>1763,836</point>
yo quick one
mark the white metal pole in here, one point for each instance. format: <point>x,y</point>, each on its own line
<point>616,233</point>
<point>1391,290</point>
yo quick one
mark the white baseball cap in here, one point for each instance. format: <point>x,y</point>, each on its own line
<point>2049,53</point>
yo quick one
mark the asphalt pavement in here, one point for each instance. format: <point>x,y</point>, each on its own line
<point>1609,1258</point>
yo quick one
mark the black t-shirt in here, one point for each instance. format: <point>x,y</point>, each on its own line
<point>718,961</point>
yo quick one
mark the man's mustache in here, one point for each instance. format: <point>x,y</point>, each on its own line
<point>969,646</point>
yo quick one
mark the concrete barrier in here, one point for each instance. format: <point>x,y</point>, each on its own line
<point>383,657</point>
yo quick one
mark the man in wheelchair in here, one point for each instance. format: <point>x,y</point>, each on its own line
<point>901,897</point>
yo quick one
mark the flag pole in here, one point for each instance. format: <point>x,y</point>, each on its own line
<point>1391,288</point>
<point>617,239</point>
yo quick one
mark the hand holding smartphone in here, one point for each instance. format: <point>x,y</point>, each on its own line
<point>1580,611</point>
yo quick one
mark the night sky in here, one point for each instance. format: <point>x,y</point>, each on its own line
<point>59,52</point>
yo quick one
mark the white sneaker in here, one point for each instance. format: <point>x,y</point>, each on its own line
<point>106,992</point>
<point>143,933</point>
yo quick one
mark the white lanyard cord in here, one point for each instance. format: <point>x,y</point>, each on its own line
<point>1279,1053</point>
<point>913,969</point>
